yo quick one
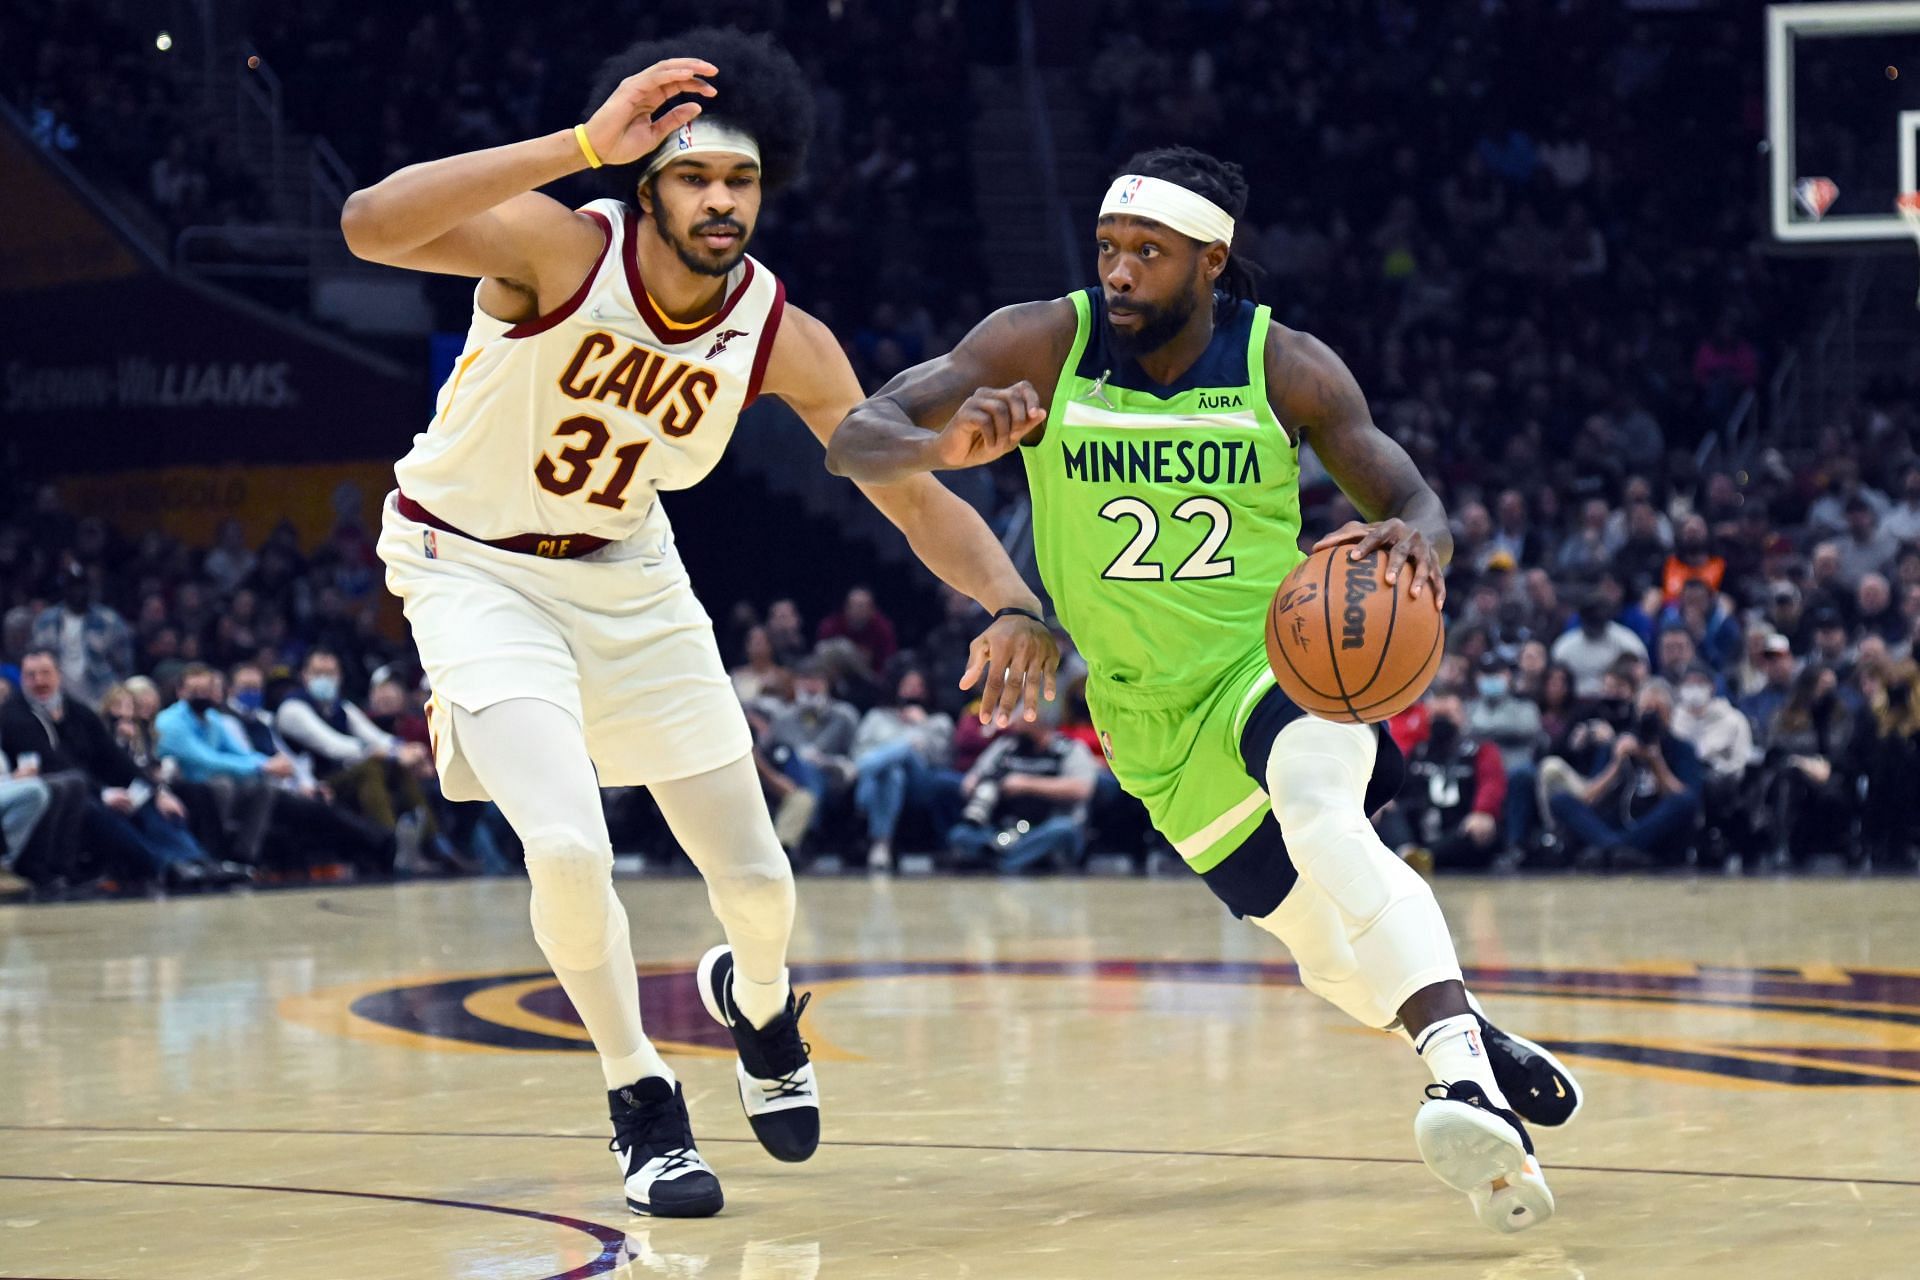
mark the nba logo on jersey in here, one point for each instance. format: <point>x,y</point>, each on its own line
<point>1132,189</point>
<point>430,543</point>
<point>1106,743</point>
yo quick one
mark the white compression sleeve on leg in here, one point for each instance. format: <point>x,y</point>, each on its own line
<point>720,818</point>
<point>1386,914</point>
<point>531,757</point>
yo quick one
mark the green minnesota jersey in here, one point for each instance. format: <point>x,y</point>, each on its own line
<point>1164,518</point>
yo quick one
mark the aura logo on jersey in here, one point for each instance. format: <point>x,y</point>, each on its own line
<point>1817,1027</point>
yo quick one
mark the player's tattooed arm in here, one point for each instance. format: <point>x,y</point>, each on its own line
<point>965,408</point>
<point>1016,655</point>
<point>1314,393</point>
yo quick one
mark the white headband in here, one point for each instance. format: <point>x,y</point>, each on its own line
<point>1188,212</point>
<point>704,137</point>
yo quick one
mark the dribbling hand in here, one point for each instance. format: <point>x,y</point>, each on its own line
<point>623,129</point>
<point>991,424</point>
<point>1019,657</point>
<point>1406,547</point>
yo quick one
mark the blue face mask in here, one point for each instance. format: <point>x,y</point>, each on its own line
<point>1493,686</point>
<point>248,699</point>
<point>324,688</point>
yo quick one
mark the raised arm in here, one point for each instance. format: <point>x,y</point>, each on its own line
<point>962,409</point>
<point>1314,393</point>
<point>478,214</point>
<point>809,371</point>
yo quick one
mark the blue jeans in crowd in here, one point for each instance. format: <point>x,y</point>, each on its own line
<point>1057,842</point>
<point>1660,830</point>
<point>890,778</point>
<point>1523,806</point>
<point>168,843</point>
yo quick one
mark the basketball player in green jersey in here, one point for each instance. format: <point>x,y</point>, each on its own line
<point>1160,417</point>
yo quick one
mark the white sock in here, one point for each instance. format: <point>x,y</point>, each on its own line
<point>760,1002</point>
<point>1452,1050</point>
<point>607,998</point>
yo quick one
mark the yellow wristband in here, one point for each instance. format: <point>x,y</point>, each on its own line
<point>586,147</point>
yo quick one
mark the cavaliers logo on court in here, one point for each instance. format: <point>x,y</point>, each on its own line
<point>1818,1027</point>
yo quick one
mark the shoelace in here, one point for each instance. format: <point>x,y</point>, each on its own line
<point>652,1127</point>
<point>786,1086</point>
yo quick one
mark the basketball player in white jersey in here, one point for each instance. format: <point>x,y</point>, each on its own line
<point>611,351</point>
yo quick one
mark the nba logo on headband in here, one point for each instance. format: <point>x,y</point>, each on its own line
<point>1131,190</point>
<point>683,141</point>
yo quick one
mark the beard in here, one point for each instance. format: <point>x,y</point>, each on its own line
<point>697,258</point>
<point>1158,325</point>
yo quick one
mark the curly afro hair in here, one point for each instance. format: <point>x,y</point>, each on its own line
<point>761,90</point>
<point>1220,181</point>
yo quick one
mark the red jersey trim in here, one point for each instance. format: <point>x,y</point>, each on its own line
<point>664,329</point>
<point>768,333</point>
<point>540,324</point>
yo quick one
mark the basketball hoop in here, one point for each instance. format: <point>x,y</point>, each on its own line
<point>1909,206</point>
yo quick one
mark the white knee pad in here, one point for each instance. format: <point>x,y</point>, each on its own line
<point>1317,776</point>
<point>1366,930</point>
<point>577,920</point>
<point>754,897</point>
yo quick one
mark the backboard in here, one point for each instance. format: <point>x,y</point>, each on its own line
<point>1843,119</point>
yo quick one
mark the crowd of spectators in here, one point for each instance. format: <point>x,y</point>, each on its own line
<point>887,173</point>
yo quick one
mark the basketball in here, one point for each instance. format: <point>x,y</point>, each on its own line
<point>1346,645</point>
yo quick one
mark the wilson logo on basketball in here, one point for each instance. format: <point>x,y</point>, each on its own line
<point>1360,585</point>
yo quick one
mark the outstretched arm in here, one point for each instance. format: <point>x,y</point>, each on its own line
<point>1312,391</point>
<point>810,372</point>
<point>962,409</point>
<point>478,214</point>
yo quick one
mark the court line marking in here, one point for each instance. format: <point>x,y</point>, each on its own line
<point>884,1144</point>
<point>612,1243</point>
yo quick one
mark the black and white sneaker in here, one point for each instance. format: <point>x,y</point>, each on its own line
<point>1483,1150</point>
<point>653,1143</point>
<point>777,1089</point>
<point>1537,1084</point>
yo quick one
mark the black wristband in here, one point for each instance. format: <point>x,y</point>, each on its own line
<point>1016,611</point>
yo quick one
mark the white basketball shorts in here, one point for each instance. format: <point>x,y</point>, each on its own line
<point>615,638</point>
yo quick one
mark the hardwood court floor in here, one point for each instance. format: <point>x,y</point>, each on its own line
<point>1072,1079</point>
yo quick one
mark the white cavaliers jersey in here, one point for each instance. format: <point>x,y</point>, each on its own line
<point>572,422</point>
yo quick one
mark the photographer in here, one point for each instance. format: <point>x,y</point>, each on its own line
<point>1803,785</point>
<point>1027,799</point>
<point>1643,804</point>
<point>1456,785</point>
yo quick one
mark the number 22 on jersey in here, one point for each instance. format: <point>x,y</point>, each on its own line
<point>1132,564</point>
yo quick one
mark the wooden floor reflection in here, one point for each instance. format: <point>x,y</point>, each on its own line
<point>1078,1079</point>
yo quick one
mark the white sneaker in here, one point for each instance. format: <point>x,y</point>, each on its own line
<point>1483,1150</point>
<point>880,856</point>
<point>777,1088</point>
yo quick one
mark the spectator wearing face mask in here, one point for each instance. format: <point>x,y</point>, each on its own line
<point>356,759</point>
<point>1456,787</point>
<point>196,734</point>
<point>308,828</point>
<point>134,826</point>
<point>1643,804</point>
<point>1500,716</point>
<point>807,748</point>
